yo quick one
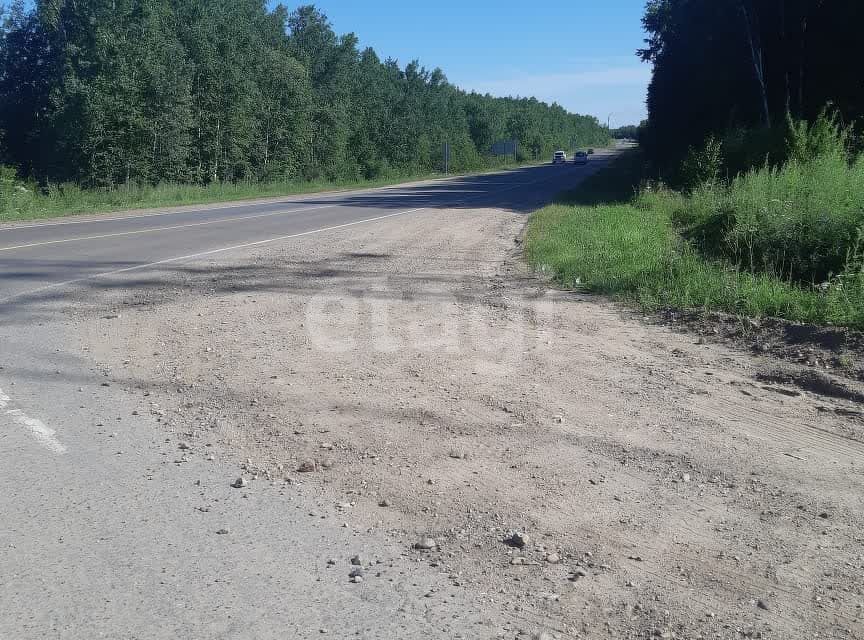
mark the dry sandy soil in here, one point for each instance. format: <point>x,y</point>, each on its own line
<point>417,381</point>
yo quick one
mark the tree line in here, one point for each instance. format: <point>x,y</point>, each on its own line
<point>626,132</point>
<point>723,66</point>
<point>108,92</point>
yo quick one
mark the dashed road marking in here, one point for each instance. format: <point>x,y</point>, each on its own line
<point>38,429</point>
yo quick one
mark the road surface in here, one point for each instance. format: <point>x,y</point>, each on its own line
<point>382,372</point>
<point>99,536</point>
<point>45,259</point>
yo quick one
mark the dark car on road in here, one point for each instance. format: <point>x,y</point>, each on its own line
<point>580,157</point>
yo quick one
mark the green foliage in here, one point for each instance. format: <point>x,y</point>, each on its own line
<point>742,149</point>
<point>627,132</point>
<point>845,293</point>
<point>117,93</point>
<point>798,222</point>
<point>635,250</point>
<point>26,203</point>
<point>7,185</point>
<point>798,219</point>
<point>704,166</point>
<point>825,137</point>
<point>728,65</point>
<point>745,148</point>
<point>8,178</point>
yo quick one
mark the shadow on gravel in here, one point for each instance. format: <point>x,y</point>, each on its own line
<point>371,256</point>
<point>815,382</point>
<point>42,270</point>
<point>520,191</point>
<point>95,297</point>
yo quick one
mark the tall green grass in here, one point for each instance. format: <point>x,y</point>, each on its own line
<point>746,248</point>
<point>799,221</point>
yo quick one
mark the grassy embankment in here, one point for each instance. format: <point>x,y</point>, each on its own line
<point>782,242</point>
<point>25,202</point>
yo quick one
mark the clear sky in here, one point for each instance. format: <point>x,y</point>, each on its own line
<point>579,53</point>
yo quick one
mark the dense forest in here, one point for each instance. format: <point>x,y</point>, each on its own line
<point>752,196</point>
<point>109,92</point>
<point>627,132</point>
<point>725,66</point>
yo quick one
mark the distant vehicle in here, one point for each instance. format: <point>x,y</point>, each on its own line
<point>580,157</point>
<point>559,158</point>
<point>590,152</point>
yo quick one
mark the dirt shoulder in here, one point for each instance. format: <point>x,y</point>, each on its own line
<point>669,486</point>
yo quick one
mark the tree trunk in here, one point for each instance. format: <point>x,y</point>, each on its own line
<point>785,48</point>
<point>801,62</point>
<point>758,61</point>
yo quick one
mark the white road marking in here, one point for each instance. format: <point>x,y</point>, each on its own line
<point>510,187</point>
<point>12,226</point>
<point>43,434</point>
<point>107,274</point>
<point>246,245</point>
<point>156,229</point>
<point>299,198</point>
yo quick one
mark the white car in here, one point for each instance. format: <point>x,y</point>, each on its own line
<point>559,158</point>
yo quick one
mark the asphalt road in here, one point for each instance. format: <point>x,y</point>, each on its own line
<point>99,536</point>
<point>42,260</point>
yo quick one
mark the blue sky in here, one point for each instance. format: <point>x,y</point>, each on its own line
<point>579,53</point>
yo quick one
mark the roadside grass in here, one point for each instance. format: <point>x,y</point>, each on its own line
<point>799,221</point>
<point>25,202</point>
<point>609,237</point>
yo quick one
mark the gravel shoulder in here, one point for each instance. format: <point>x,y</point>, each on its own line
<point>411,380</point>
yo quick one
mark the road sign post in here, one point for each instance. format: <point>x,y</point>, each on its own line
<point>506,148</point>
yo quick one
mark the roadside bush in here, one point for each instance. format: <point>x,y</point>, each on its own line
<point>798,221</point>
<point>745,149</point>
<point>632,251</point>
<point>13,194</point>
<point>703,166</point>
<point>8,177</point>
<point>784,241</point>
<point>825,137</point>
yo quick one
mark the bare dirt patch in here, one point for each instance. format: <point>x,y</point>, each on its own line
<point>414,374</point>
<point>835,350</point>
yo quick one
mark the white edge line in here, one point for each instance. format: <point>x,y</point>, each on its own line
<point>276,200</point>
<point>37,428</point>
<point>201,254</point>
<point>117,234</point>
<point>191,256</point>
<point>299,198</point>
<point>51,222</point>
